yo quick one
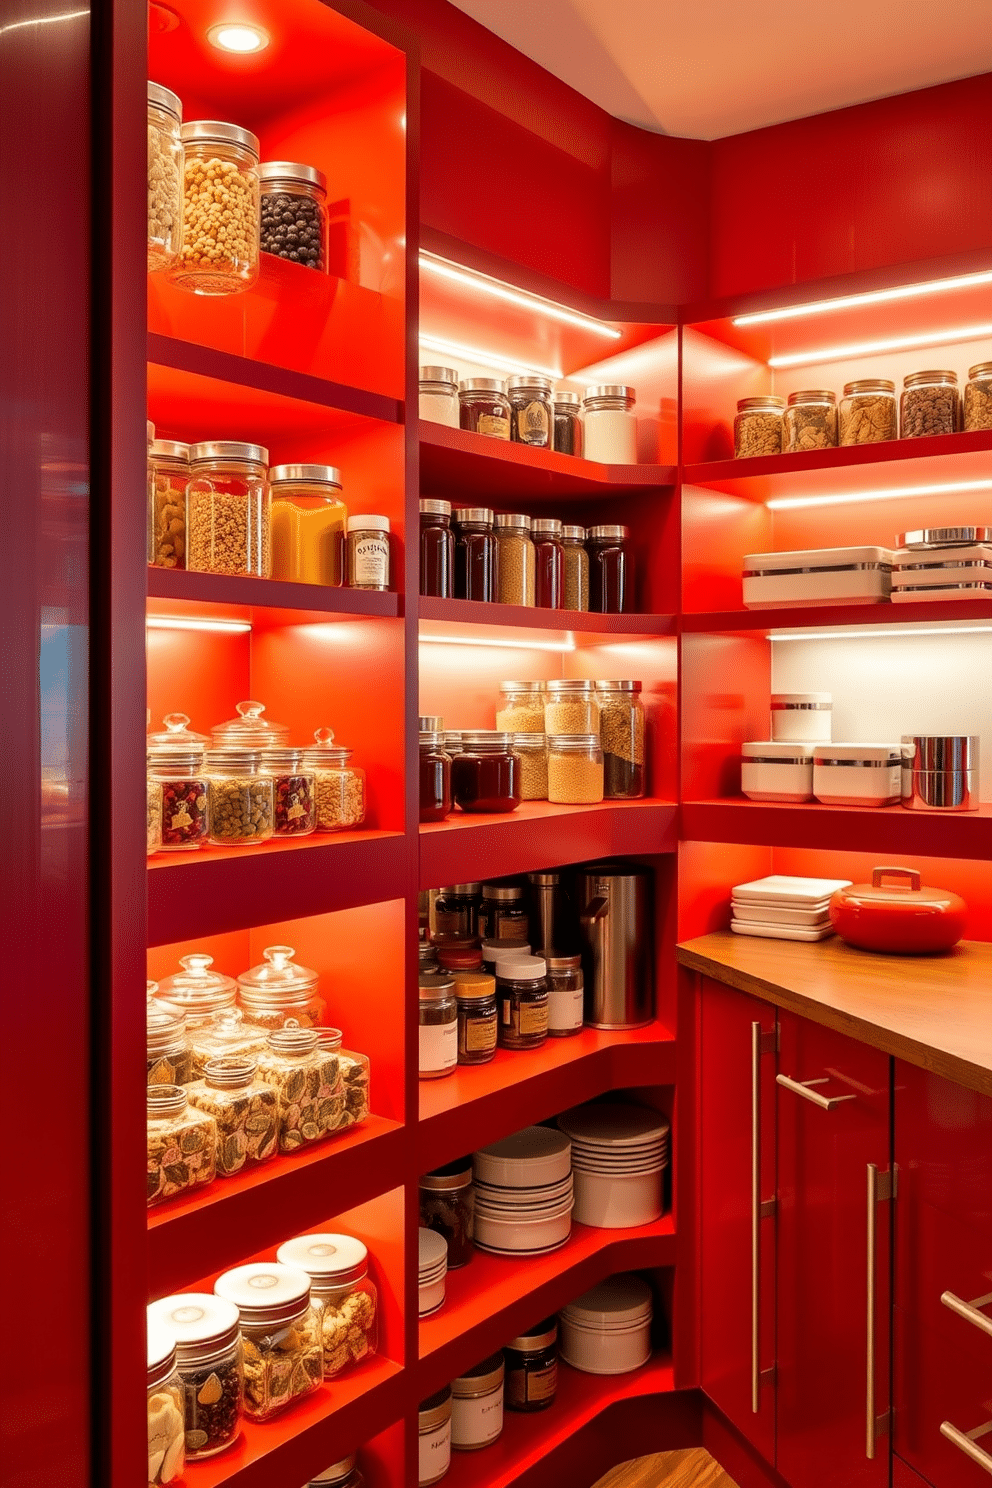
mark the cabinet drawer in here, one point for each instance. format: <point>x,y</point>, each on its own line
<point>937,1254</point>
<point>937,1379</point>
<point>943,1145</point>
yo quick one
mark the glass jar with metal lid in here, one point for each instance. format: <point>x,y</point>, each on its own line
<point>531,410</point>
<point>304,1077</point>
<point>169,1058</point>
<point>868,412</point>
<point>427,957</point>
<point>168,461</point>
<point>175,762</point>
<point>484,407</point>
<point>228,509</point>
<point>244,1109</point>
<point>978,397</point>
<point>340,785</point>
<point>308,519</point>
<point>434,1428</point>
<point>610,428</point>
<point>437,549</point>
<point>165,177</point>
<point>278,989</point>
<point>572,707</point>
<point>166,1425</point>
<point>575,769</point>
<point>210,1364</point>
<point>435,772</point>
<point>930,404</point>
<point>568,423</point>
<point>621,729</point>
<point>810,421</point>
<point>477,1406</point>
<point>280,1330</point>
<point>548,563</point>
<point>338,1268</point>
<point>367,552</point>
<point>182,1144</point>
<point>575,568</point>
<point>456,911</point>
<point>503,913</point>
<point>447,1205</point>
<point>485,776</point>
<point>294,791</point>
<point>565,996</point>
<point>532,751</point>
<point>515,570</point>
<point>522,1001</point>
<point>475,993</point>
<point>439,395</point>
<point>453,741</point>
<point>532,1368</point>
<point>240,796</point>
<point>200,994</point>
<point>219,253</point>
<point>475,554</point>
<point>521,707</point>
<point>294,212</point>
<point>343,1474</point>
<point>438,1025</point>
<point>758,426</point>
<point>610,579</point>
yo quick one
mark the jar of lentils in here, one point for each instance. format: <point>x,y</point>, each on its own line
<point>978,397</point>
<point>810,421</point>
<point>532,411</point>
<point>165,177</point>
<point>240,798</point>
<point>532,752</point>
<point>340,785</point>
<point>169,477</point>
<point>219,253</point>
<point>930,404</point>
<point>175,764</point>
<point>484,407</point>
<point>575,568</point>
<point>758,427</point>
<point>868,411</point>
<point>521,707</point>
<point>516,573</point>
<point>294,212</point>
<point>228,509</point>
<point>572,707</point>
<point>575,770</point>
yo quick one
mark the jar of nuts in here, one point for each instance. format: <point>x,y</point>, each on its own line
<point>165,177</point>
<point>868,411</point>
<point>228,509</point>
<point>244,1108</point>
<point>169,477</point>
<point>169,1058</point>
<point>340,786</point>
<point>182,1144</point>
<point>930,404</point>
<point>278,989</point>
<point>280,1334</point>
<point>338,1268</point>
<point>240,798</point>
<point>307,1080</point>
<point>355,1071</point>
<point>175,765</point>
<point>758,427</point>
<point>219,253</point>
<point>810,421</point>
<point>978,397</point>
<point>294,212</point>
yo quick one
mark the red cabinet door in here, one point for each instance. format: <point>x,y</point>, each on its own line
<point>834,1126</point>
<point>737,1065</point>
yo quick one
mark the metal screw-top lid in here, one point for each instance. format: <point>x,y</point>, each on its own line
<point>449,1176</point>
<point>323,475</point>
<point>529,380</point>
<point>430,506</point>
<point>502,893</point>
<point>918,379</point>
<point>512,521</point>
<point>536,1339</point>
<point>509,687</point>
<point>204,1326</point>
<point>329,1258</point>
<point>291,1041</point>
<point>465,890</point>
<point>161,1346</point>
<point>481,515</point>
<point>434,986</point>
<point>563,963</point>
<point>273,172</point>
<point>613,533</point>
<point>618,686</point>
<point>944,537</point>
<point>576,534</point>
<point>278,975</point>
<point>336,1473</point>
<point>812,395</point>
<point>544,880</point>
<point>430,723</point>
<point>447,376</point>
<point>435,1410</point>
<point>560,686</point>
<point>165,1100</point>
<point>481,385</point>
<point>227,451</point>
<point>250,730</point>
<point>765,402</point>
<point>547,525</point>
<point>481,1379</point>
<point>164,98</point>
<point>265,1292</point>
<point>571,402</point>
<point>869,385</point>
<point>230,1071</point>
<point>611,390</point>
<point>169,449</point>
<point>980,369</point>
<point>215,132</point>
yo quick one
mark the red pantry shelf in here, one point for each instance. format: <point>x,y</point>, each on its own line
<point>820,617</point>
<point>268,602</point>
<point>888,829</point>
<point>472,616</point>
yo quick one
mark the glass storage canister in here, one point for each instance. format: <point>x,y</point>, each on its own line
<point>477,1406</point>
<point>575,568</point>
<point>343,1474</point>
<point>338,1268</point>
<point>175,762</point>
<point>280,1334</point>
<point>278,989</point>
<point>244,1108</point>
<point>475,554</point>
<point>532,1368</point>
<point>475,993</point>
<point>568,423</point>
<point>621,730</point>
<point>307,1081</point>
<point>367,552</point>
<point>219,252</point>
<point>241,798</point>
<point>575,770</point>
<point>531,410</point>
<point>294,792</point>
<point>456,911</point>
<point>169,1058</point>
<point>758,426</point>
<point>868,411</point>
<point>228,509</point>
<point>810,421</point>
<point>182,1144</point>
<point>532,751</point>
<point>168,461</point>
<point>438,1025</point>
<point>434,1429</point>
<point>308,519</point>
<point>447,1205</point>
<point>515,568</point>
<point>610,428</point>
<point>293,211</point>
<point>437,549</point>
<point>165,177</point>
<point>521,707</point>
<point>522,997</point>
<point>435,773</point>
<point>225,1036</point>
<point>484,407</point>
<point>610,580</point>
<point>210,1366</point>
<point>978,397</point>
<point>153,804</point>
<point>503,913</point>
<point>565,996</point>
<point>548,563</point>
<point>930,404</point>
<point>200,994</point>
<point>340,786</point>
<point>249,730</point>
<point>572,707</point>
<point>485,776</point>
<point>439,396</point>
<point>166,1428</point>
<point>353,1103</point>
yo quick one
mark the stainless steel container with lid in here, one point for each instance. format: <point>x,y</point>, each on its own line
<point>616,921</point>
<point>940,772</point>
<point>944,537</point>
<point>553,923</point>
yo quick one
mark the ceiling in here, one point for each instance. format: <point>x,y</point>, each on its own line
<point>721,67</point>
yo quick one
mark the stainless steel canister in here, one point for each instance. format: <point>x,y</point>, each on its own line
<point>616,922</point>
<point>940,772</point>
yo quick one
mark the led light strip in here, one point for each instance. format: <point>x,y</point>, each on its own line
<point>180,622</point>
<point>871,297</point>
<point>486,358</point>
<point>444,269</point>
<point>566,644</point>
<point>791,503</point>
<point>891,632</point>
<point>867,348</point>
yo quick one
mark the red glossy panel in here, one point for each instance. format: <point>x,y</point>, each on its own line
<point>725,686</point>
<point>940,1380</point>
<point>714,376</point>
<point>707,873</point>
<point>886,831</point>
<point>905,1477</point>
<point>382,1458</point>
<point>718,529</point>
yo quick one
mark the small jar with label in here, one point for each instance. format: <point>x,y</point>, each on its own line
<point>201,995</point>
<point>308,520</point>
<point>868,413</point>
<point>477,1406</point>
<point>568,423</point>
<point>437,549</point>
<point>978,398</point>
<point>229,509</point>
<point>565,996</point>
<point>169,1058</point>
<point>175,763</point>
<point>485,776</point>
<point>209,1359</point>
<point>531,410</point>
<point>475,992</point>
<point>307,1081</point>
<point>278,989</point>
<point>621,728</point>
<point>548,563</point>
<point>168,478</point>
<point>810,421</point>
<point>182,1145</point>
<point>575,568</point>
<point>475,554</point>
<point>575,770</point>
<point>484,407</point>
<point>532,750</point>
<point>435,776</point>
<point>532,1368</point>
<point>930,404</point>
<point>240,796</point>
<point>439,395</point>
<point>338,1268</point>
<point>516,573</point>
<point>294,213</point>
<point>166,1424</point>
<point>522,1000</point>
<point>611,588</point>
<point>244,1108</point>
<point>221,220</point>
<point>438,1026</point>
<point>294,792</point>
<point>610,427</point>
<point>280,1332</point>
<point>447,1205</point>
<point>165,178</point>
<point>456,911</point>
<point>434,1428</point>
<point>503,914</point>
<point>339,785</point>
<point>521,707</point>
<point>572,707</point>
<point>367,552</point>
<point>758,426</point>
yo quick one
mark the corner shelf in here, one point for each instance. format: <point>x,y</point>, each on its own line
<point>271,601</point>
<point>886,829</point>
<point>456,461</point>
<point>593,629</point>
<point>816,617</point>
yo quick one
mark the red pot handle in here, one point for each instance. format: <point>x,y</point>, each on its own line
<point>877,874</point>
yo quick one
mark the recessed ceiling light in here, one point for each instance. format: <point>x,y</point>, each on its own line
<point>237,37</point>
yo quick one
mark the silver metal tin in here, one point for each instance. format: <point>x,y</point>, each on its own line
<point>327,475</point>
<point>216,132</point>
<point>291,173</point>
<point>944,537</point>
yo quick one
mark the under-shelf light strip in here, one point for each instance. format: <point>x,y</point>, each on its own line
<point>842,498</point>
<point>485,284</point>
<point>892,632</point>
<point>869,348</point>
<point>870,297</point>
<point>180,622</point>
<point>486,358</point>
<point>567,643</point>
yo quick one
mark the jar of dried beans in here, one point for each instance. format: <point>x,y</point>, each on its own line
<point>532,752</point>
<point>294,790</point>
<point>307,1082</point>
<point>169,1056</point>
<point>515,568</point>
<point>308,519</point>
<point>277,990</point>
<point>572,707</point>
<point>810,421</point>
<point>485,776</point>
<point>930,404</point>
<point>165,177</point>
<point>868,411</point>
<point>182,1144</point>
<point>340,786</point>
<point>209,1363</point>
<point>531,410</point>
<point>175,763</point>
<point>338,1268</point>
<point>294,212</point>
<point>621,727</point>
<point>166,1427</point>
<point>240,794</point>
<point>169,477</point>
<point>548,563</point>
<point>244,1108</point>
<point>575,568</point>
<point>521,707</point>
<point>484,407</point>
<point>219,253</point>
<point>758,427</point>
<point>978,397</point>
<point>228,509</point>
<point>447,1206</point>
<point>575,769</point>
<point>280,1334</point>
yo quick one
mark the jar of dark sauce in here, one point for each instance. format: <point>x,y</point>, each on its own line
<point>484,777</point>
<point>484,407</point>
<point>437,549</point>
<point>549,558</point>
<point>475,554</point>
<point>610,589</point>
<point>568,423</point>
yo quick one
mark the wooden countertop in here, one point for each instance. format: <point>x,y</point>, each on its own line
<point>933,1011</point>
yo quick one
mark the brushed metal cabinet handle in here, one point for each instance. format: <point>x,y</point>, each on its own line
<point>802,1087</point>
<point>966,1442</point>
<point>755,1213</point>
<point>881,1187</point>
<point>969,1310</point>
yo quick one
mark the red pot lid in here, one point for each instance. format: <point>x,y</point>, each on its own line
<point>905,895</point>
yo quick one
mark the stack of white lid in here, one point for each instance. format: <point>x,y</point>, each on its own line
<point>433,1269</point>
<point>781,907</point>
<point>619,1153</point>
<point>523,1192</point>
<point>608,1329</point>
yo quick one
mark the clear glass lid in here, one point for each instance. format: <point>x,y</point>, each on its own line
<point>250,730</point>
<point>278,974</point>
<point>176,738</point>
<point>325,751</point>
<point>196,987</point>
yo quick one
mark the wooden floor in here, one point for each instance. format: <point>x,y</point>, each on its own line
<point>692,1468</point>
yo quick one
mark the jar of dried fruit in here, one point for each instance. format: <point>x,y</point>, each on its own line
<point>338,1268</point>
<point>340,786</point>
<point>244,1108</point>
<point>166,1428</point>
<point>175,763</point>
<point>868,411</point>
<point>572,707</point>
<point>168,478</point>
<point>307,1081</point>
<point>295,792</point>
<point>165,177</point>
<point>280,1334</point>
<point>182,1144</point>
<point>810,421</point>
<point>169,1058</point>
<point>621,728</point>
<point>228,509</point>
<point>209,1363</point>
<point>978,397</point>
<point>758,426</point>
<point>241,797</point>
<point>219,253</point>
<point>353,1103</point>
<point>930,404</point>
<point>277,989</point>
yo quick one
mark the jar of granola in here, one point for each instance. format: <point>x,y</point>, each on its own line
<point>338,1268</point>
<point>278,989</point>
<point>175,764</point>
<point>930,404</point>
<point>340,786</point>
<point>182,1144</point>
<point>166,1429</point>
<point>758,427</point>
<point>280,1334</point>
<point>245,1110</point>
<point>355,1074</point>
<point>868,412</point>
<point>978,397</point>
<point>169,1056</point>
<point>240,796</point>
<point>209,1362</point>
<point>810,421</point>
<point>228,509</point>
<point>169,461</point>
<point>307,1081</point>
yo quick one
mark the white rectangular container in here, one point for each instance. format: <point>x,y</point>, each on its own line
<point>942,573</point>
<point>786,889</point>
<point>772,771</point>
<point>858,774</point>
<point>801,717</point>
<point>818,576</point>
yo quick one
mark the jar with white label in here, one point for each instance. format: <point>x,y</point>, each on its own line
<point>477,1406</point>
<point>439,395</point>
<point>367,552</point>
<point>858,774</point>
<point>565,996</point>
<point>522,1001</point>
<point>610,429</point>
<point>434,1425</point>
<point>801,717</point>
<point>531,1381</point>
<point>438,1026</point>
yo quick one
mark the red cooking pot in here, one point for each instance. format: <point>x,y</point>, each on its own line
<point>898,917</point>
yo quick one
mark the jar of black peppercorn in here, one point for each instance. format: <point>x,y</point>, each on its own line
<point>475,554</point>
<point>484,407</point>
<point>437,549</point>
<point>294,212</point>
<point>475,992</point>
<point>548,563</point>
<point>610,589</point>
<point>568,423</point>
<point>531,1381</point>
<point>522,1002</point>
<point>447,1205</point>
<point>532,416</point>
<point>485,776</point>
<point>435,771</point>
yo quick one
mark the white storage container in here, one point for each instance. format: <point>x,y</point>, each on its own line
<point>943,563</point>
<point>801,717</point>
<point>771,771</point>
<point>432,1271</point>
<point>818,576</point>
<point>858,774</point>
<point>608,1329</point>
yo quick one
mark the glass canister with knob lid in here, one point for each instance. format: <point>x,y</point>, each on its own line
<point>244,1109</point>
<point>340,785</point>
<point>182,1144</point>
<point>175,764</point>
<point>165,177</point>
<point>226,1036</point>
<point>308,521</point>
<point>169,1056</point>
<point>229,509</point>
<point>338,1268</point>
<point>166,1427</point>
<point>278,989</point>
<point>241,796</point>
<point>294,790</point>
<point>200,994</point>
<point>306,1079</point>
<point>219,253</point>
<point>294,212</point>
<point>210,1366</point>
<point>280,1334</point>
